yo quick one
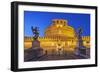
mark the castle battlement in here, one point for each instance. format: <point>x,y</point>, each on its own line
<point>86,38</point>
<point>59,21</point>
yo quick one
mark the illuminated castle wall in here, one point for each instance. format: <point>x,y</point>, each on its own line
<point>58,36</point>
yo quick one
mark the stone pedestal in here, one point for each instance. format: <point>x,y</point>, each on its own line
<point>82,51</point>
<point>36,48</point>
<point>34,53</point>
<point>35,44</point>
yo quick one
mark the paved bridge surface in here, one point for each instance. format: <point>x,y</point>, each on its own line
<point>57,57</point>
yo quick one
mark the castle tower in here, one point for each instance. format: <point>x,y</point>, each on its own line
<point>59,28</point>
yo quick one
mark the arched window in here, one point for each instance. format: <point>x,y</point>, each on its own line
<point>53,22</point>
<point>57,21</point>
<point>64,22</point>
<point>61,22</point>
<point>87,42</point>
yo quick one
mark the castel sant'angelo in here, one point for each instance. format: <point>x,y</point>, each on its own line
<point>58,36</point>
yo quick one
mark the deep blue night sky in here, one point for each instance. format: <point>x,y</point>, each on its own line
<point>44,19</point>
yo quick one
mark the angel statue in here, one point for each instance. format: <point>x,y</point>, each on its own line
<point>35,32</point>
